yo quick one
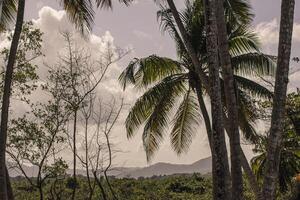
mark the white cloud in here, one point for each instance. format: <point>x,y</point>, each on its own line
<point>268,33</point>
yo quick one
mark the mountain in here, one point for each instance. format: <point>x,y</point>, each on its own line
<point>202,166</point>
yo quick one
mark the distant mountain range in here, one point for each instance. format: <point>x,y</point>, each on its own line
<point>202,166</point>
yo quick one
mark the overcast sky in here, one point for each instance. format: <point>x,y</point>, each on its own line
<point>136,27</point>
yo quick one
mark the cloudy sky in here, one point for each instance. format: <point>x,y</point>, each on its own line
<point>136,27</point>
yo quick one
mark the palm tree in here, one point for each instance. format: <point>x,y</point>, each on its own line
<point>220,167</point>
<point>289,164</point>
<point>231,101</point>
<point>281,82</point>
<point>168,81</point>
<point>6,98</point>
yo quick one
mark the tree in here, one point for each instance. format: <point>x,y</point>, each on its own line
<point>221,176</point>
<point>281,82</point>
<point>34,139</point>
<point>178,81</point>
<point>24,75</point>
<point>231,100</point>
<point>80,12</point>
<point>99,149</point>
<point>289,165</point>
<point>6,98</point>
<point>78,75</point>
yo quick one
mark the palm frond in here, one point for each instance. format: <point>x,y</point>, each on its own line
<point>159,119</point>
<point>247,117</point>
<point>238,11</point>
<point>242,40</point>
<point>108,3</point>
<point>81,13</point>
<point>9,10</point>
<point>147,103</point>
<point>252,88</point>
<point>253,64</point>
<point>167,24</point>
<point>258,164</point>
<point>185,120</point>
<point>144,72</point>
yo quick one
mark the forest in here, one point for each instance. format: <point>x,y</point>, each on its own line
<point>64,116</point>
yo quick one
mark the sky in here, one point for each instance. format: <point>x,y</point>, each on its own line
<point>136,27</point>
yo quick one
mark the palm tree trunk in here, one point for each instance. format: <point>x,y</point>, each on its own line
<point>247,168</point>
<point>204,112</point>
<point>10,194</point>
<point>279,100</point>
<point>221,174</point>
<point>221,177</point>
<point>231,102</point>
<point>6,98</point>
<point>244,162</point>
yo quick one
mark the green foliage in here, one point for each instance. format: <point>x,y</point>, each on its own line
<point>175,187</point>
<point>289,165</point>
<point>29,48</point>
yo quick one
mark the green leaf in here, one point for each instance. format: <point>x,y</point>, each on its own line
<point>186,119</point>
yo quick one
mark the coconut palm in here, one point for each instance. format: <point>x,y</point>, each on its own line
<point>280,92</point>
<point>166,81</point>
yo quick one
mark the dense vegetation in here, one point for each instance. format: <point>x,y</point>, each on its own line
<point>175,187</point>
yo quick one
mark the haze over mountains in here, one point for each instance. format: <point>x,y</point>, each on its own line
<point>202,166</point>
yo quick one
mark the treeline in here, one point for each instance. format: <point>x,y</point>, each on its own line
<point>175,187</point>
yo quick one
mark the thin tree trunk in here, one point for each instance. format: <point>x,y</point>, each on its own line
<point>41,192</point>
<point>108,166</point>
<point>6,98</point>
<point>231,102</point>
<point>100,186</point>
<point>74,155</point>
<point>204,112</point>
<point>279,100</point>
<point>87,160</point>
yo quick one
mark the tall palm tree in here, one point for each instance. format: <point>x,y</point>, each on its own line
<point>168,81</point>
<point>6,98</point>
<point>231,102</point>
<point>281,82</point>
<point>220,169</point>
